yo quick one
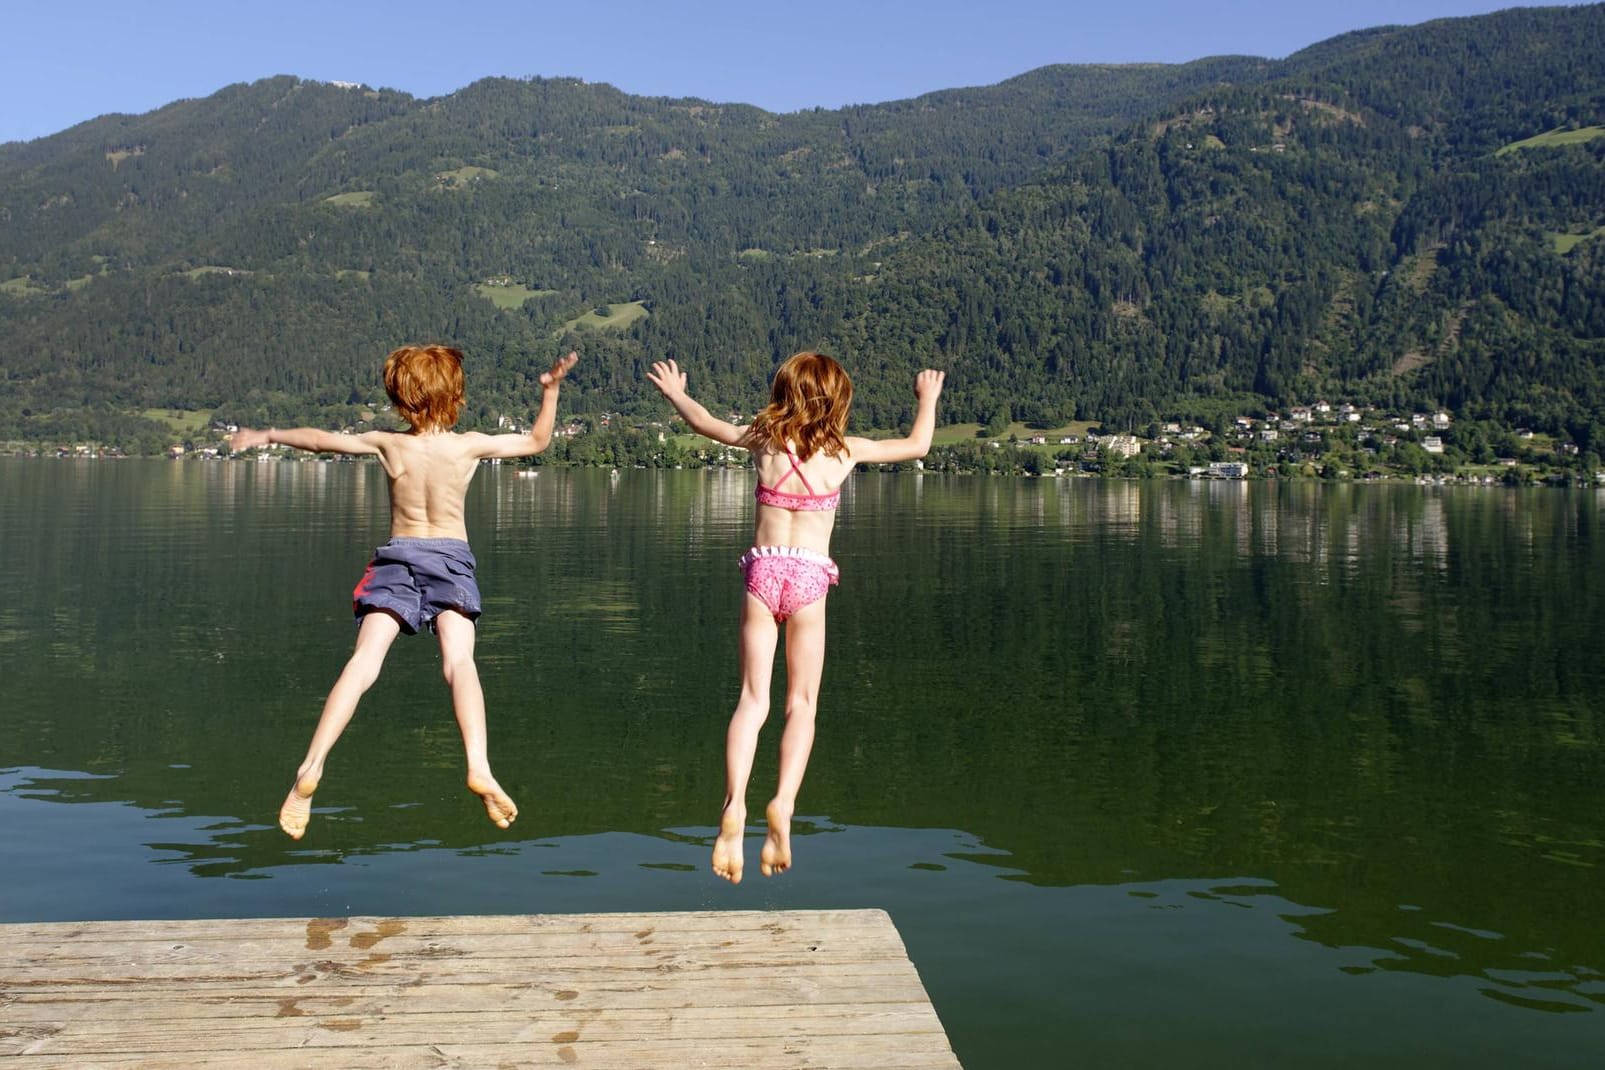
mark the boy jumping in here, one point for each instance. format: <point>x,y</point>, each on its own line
<point>424,576</point>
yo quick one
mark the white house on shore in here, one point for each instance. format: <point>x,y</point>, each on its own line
<point>1122,445</point>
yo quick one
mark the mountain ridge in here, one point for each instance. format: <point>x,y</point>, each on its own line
<point>1110,242</point>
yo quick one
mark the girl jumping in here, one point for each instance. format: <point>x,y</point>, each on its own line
<point>803,456</point>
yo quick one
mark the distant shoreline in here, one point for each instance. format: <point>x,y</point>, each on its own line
<point>1515,477</point>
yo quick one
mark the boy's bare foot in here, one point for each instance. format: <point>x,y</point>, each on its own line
<point>498,807</point>
<point>297,808</point>
<point>776,854</point>
<point>727,860</point>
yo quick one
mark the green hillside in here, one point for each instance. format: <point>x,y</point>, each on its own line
<point>1299,240</point>
<point>1078,243</point>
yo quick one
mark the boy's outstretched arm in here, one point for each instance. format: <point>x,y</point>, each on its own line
<point>311,439</point>
<point>546,420</point>
<point>927,388</point>
<point>540,435</point>
<point>670,381</point>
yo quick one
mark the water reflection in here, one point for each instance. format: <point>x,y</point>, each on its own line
<point>1000,956</point>
<point>1326,740</point>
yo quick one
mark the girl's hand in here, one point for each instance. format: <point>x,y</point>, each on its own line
<point>928,384</point>
<point>559,370</point>
<point>246,439</point>
<point>668,378</point>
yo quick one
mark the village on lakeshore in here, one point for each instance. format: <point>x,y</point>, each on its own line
<point>1316,441</point>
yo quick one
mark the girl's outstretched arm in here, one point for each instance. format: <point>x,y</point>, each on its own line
<point>927,388</point>
<point>670,381</point>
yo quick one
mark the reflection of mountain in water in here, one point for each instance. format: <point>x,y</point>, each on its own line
<point>1374,698</point>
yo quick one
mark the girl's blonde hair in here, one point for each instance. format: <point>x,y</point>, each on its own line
<point>807,408</point>
<point>425,383</point>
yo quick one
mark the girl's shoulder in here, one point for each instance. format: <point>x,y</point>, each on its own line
<point>833,467</point>
<point>855,445</point>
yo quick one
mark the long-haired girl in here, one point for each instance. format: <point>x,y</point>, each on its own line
<point>803,455</point>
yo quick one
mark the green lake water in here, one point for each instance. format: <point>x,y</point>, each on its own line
<point>1198,774</point>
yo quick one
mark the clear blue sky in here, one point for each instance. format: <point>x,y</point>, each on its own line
<point>64,62</point>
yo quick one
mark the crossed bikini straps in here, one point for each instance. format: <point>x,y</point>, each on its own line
<point>796,502</point>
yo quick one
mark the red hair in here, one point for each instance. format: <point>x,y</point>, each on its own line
<point>807,407</point>
<point>425,383</point>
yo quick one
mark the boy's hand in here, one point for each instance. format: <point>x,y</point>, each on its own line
<point>559,370</point>
<point>246,439</point>
<point>668,378</point>
<point>928,384</point>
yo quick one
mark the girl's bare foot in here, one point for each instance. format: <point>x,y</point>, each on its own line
<point>776,854</point>
<point>297,808</point>
<point>727,860</point>
<point>498,807</point>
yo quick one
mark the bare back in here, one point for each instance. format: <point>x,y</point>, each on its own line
<point>429,476</point>
<point>809,529</point>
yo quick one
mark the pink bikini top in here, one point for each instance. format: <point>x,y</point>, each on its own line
<point>809,502</point>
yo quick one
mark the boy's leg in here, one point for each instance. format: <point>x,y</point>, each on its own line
<point>759,634</point>
<point>456,633</point>
<point>374,636</point>
<point>805,665</point>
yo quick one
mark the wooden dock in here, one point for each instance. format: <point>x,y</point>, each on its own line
<point>814,988</point>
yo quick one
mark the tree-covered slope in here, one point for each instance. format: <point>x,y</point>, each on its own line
<point>1320,234</point>
<point>1113,242</point>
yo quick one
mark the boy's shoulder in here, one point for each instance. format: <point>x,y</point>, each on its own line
<point>455,443</point>
<point>436,443</point>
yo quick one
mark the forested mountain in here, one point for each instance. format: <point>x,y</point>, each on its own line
<point>1324,234</point>
<point>1411,215</point>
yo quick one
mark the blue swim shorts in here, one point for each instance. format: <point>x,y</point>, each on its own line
<point>416,580</point>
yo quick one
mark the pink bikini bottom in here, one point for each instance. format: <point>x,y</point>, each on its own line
<point>787,578</point>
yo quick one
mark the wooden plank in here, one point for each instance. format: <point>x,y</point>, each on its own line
<point>854,1054</point>
<point>710,1024</point>
<point>384,968</point>
<point>758,992</point>
<point>863,943</point>
<point>733,921</point>
<point>544,941</point>
<point>557,980</point>
<point>704,988</point>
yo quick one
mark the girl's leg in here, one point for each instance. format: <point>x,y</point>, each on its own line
<point>805,665</point>
<point>759,634</point>
<point>456,634</point>
<point>374,636</point>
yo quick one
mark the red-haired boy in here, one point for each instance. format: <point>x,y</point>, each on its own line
<point>423,576</point>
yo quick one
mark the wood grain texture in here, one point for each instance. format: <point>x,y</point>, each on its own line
<point>825,988</point>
